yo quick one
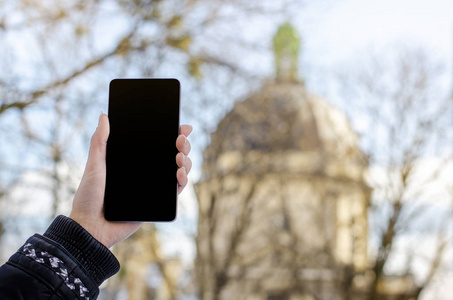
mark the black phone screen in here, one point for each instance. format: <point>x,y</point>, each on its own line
<point>141,182</point>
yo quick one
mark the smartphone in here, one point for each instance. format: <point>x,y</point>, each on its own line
<point>141,182</point>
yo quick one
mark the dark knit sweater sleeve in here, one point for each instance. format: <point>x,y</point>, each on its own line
<point>66,262</point>
<point>94,257</point>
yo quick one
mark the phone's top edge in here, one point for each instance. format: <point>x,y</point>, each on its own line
<point>163,78</point>
<point>171,81</point>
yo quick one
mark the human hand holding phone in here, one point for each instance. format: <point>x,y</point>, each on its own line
<point>87,208</point>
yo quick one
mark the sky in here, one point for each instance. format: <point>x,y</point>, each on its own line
<point>354,25</point>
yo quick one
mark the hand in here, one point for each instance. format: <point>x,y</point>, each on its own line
<point>88,204</point>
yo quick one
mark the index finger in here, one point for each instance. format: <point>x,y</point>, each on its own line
<point>185,129</point>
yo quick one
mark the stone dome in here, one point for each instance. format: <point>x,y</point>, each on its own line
<point>284,117</point>
<point>283,120</point>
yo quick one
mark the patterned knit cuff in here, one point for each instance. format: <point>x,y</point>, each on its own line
<point>94,257</point>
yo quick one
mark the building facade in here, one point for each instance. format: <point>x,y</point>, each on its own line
<point>282,200</point>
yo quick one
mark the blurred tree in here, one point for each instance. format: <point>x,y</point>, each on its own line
<point>405,121</point>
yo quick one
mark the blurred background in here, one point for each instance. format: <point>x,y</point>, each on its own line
<point>322,143</point>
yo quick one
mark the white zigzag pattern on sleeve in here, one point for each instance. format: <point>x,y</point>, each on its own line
<point>43,257</point>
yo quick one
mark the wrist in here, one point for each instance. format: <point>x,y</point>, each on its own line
<point>91,228</point>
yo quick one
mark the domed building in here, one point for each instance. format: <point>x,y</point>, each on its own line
<point>282,199</point>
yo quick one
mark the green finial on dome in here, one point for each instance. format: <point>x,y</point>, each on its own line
<point>286,48</point>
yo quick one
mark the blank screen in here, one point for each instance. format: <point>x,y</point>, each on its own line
<point>141,180</point>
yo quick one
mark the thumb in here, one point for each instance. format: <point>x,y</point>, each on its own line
<point>98,144</point>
